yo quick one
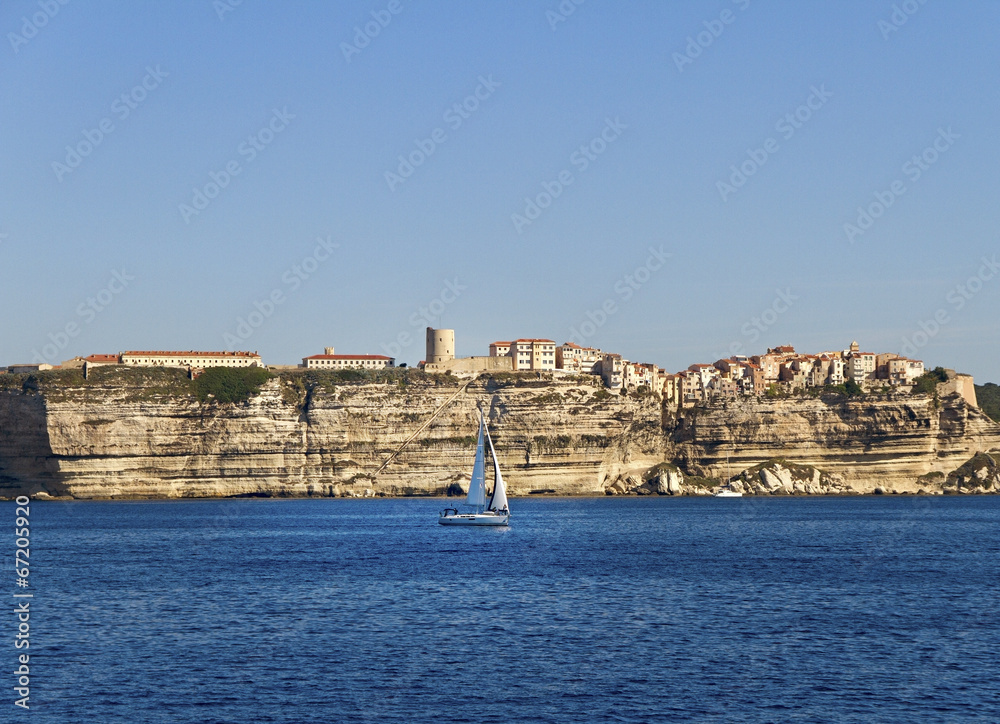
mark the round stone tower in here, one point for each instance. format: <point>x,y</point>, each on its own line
<point>440,345</point>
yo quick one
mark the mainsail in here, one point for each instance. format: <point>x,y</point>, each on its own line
<point>499,499</point>
<point>477,486</point>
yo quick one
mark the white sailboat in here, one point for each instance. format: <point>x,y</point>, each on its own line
<point>726,491</point>
<point>494,511</point>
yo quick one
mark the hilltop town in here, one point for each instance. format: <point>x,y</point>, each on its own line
<point>779,371</point>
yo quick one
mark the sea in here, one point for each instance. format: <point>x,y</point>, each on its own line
<point>619,609</point>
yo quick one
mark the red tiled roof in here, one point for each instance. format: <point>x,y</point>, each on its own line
<point>550,341</point>
<point>102,358</point>
<point>568,344</point>
<point>348,356</point>
<point>499,344</point>
<point>190,353</point>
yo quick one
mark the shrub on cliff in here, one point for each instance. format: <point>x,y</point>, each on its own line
<point>988,396</point>
<point>927,382</point>
<point>230,384</point>
<point>848,389</point>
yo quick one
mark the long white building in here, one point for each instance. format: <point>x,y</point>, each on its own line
<point>190,359</point>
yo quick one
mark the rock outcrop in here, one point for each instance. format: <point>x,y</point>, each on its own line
<point>125,435</point>
<point>981,474</point>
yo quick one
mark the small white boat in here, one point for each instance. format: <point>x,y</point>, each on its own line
<point>495,511</point>
<point>726,491</point>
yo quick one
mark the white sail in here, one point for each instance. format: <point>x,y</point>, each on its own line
<point>499,499</point>
<point>477,486</point>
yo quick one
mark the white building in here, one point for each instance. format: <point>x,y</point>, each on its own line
<point>574,358</point>
<point>331,361</point>
<point>500,349</point>
<point>527,354</point>
<point>191,359</point>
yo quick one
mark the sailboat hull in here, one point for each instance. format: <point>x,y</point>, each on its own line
<point>474,519</point>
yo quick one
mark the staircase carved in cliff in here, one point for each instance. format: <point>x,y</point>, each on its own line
<point>420,429</point>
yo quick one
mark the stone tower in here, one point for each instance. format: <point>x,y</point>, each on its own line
<point>440,345</point>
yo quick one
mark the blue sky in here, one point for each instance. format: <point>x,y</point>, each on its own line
<point>650,110</point>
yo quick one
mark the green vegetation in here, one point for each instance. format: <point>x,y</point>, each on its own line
<point>556,442</point>
<point>774,391</point>
<point>700,482</point>
<point>584,380</point>
<point>463,441</point>
<point>494,380</point>
<point>658,470</point>
<point>548,398</point>
<point>138,383</point>
<point>932,478</point>
<point>230,384</point>
<point>42,380</point>
<point>988,396</point>
<point>927,382</point>
<point>601,395</point>
<point>852,388</point>
<point>848,389</point>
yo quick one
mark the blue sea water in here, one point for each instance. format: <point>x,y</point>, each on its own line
<point>584,610</point>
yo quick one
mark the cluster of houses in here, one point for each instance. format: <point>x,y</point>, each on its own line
<point>781,368</point>
<point>785,370</point>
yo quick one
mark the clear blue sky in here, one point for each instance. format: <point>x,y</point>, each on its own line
<point>329,128</point>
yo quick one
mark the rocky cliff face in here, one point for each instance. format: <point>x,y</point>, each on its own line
<point>870,442</point>
<point>125,437</point>
<point>122,440</point>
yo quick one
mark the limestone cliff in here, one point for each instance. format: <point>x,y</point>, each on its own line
<point>869,442</point>
<point>126,438</point>
<point>125,435</point>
